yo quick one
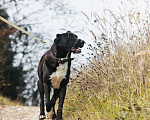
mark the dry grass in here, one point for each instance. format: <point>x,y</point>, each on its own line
<point>115,88</point>
<point>116,82</point>
<point>7,101</point>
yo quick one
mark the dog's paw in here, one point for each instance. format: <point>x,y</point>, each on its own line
<point>49,114</point>
<point>41,117</point>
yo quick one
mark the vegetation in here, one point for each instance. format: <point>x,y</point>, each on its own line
<point>11,78</point>
<point>116,83</point>
<point>7,101</point>
<point>117,89</point>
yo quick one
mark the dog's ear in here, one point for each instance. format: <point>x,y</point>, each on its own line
<point>68,33</point>
<point>58,37</point>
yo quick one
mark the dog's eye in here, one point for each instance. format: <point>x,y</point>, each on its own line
<point>76,36</point>
<point>71,36</point>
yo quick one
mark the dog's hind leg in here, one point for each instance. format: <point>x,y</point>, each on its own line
<point>40,87</point>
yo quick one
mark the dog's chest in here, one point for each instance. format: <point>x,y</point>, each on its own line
<point>57,76</point>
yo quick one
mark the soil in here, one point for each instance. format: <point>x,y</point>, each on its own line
<point>19,113</point>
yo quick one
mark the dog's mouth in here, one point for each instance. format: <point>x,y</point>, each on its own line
<point>78,44</point>
<point>75,50</point>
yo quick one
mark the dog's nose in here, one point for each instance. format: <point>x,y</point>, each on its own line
<point>82,41</point>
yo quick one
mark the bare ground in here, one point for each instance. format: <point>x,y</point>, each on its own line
<point>18,113</point>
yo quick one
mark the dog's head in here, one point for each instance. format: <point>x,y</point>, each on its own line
<point>69,42</point>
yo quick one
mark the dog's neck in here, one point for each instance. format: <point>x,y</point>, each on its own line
<point>59,52</point>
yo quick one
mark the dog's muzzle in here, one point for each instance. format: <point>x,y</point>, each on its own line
<point>78,44</point>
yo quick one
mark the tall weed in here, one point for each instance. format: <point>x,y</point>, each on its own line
<point>116,82</point>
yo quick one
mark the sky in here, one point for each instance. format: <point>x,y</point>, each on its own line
<point>55,23</point>
<point>52,23</point>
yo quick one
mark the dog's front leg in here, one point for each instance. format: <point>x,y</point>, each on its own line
<point>62,94</point>
<point>47,95</point>
<point>41,89</point>
<point>46,84</point>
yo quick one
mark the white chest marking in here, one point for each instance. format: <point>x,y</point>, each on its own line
<point>59,75</point>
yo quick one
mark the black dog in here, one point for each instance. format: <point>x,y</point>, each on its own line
<point>54,72</point>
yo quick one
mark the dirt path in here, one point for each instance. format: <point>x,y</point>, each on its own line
<point>18,113</point>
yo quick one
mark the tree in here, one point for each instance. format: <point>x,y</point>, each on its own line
<point>11,78</point>
<point>33,16</point>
